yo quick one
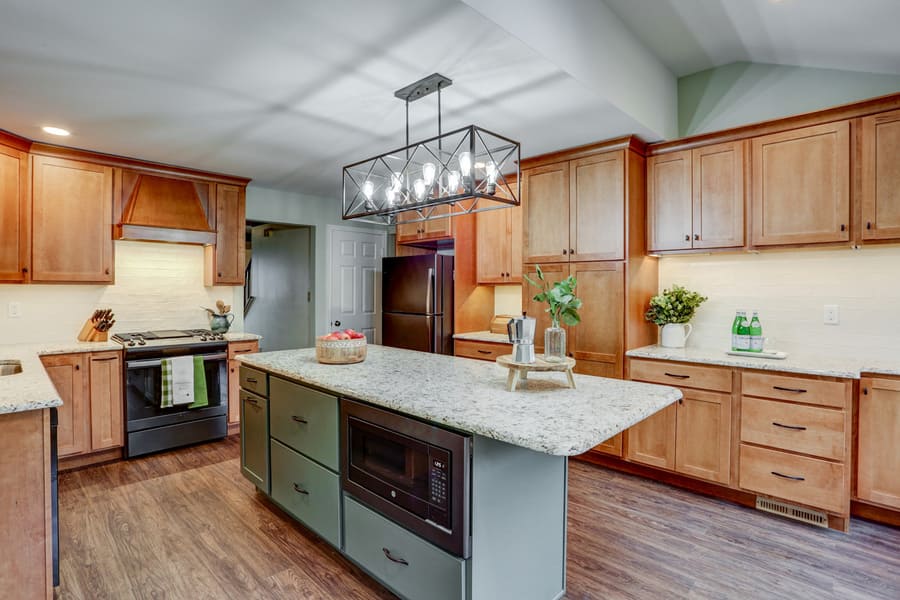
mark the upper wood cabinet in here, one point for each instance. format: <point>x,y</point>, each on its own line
<point>696,198</point>
<point>225,260</point>
<point>880,175</point>
<point>545,192</point>
<point>419,231</point>
<point>15,215</point>
<point>878,471</point>
<point>498,245</point>
<point>800,186</point>
<point>72,221</point>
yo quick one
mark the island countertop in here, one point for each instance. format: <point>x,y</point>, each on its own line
<point>470,395</point>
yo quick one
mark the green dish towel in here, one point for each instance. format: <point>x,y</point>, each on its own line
<point>201,398</point>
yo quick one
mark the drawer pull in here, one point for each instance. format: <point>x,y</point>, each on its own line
<point>305,422</point>
<point>484,352</point>
<point>399,561</point>
<point>300,490</point>
<point>794,427</point>
<point>251,400</point>
<point>677,376</point>
<point>791,477</point>
<point>787,389</point>
<point>252,380</point>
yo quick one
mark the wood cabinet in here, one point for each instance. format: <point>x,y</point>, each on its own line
<point>234,376</point>
<point>878,470</point>
<point>498,246</point>
<point>703,435</point>
<point>545,192</point>
<point>597,342</point>
<point>71,221</point>
<point>696,198</point>
<point>15,215</point>
<point>420,231</point>
<point>613,446</point>
<point>800,182</point>
<point>553,273</point>
<point>652,441</point>
<point>90,386</point>
<point>880,175</point>
<point>225,260</point>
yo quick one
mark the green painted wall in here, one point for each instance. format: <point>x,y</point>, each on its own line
<point>278,206</point>
<point>742,93</point>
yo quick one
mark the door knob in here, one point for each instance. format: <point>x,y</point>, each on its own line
<point>337,323</point>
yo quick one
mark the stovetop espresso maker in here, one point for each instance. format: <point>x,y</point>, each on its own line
<point>521,334</point>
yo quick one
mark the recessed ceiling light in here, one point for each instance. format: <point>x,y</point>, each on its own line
<point>55,130</point>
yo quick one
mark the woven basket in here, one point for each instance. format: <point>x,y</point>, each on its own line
<point>340,352</point>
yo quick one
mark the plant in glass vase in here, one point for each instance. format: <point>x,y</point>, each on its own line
<point>672,309</point>
<point>563,306</point>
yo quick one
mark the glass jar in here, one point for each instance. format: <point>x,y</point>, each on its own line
<point>555,343</point>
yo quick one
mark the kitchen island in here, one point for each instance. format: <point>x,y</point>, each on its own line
<point>517,479</point>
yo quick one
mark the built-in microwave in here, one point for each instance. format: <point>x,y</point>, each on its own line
<point>414,473</point>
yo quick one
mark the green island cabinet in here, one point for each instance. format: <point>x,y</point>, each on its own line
<point>290,449</point>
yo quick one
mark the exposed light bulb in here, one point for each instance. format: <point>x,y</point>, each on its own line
<point>490,170</point>
<point>465,164</point>
<point>368,189</point>
<point>452,181</point>
<point>390,195</point>
<point>419,188</point>
<point>428,171</point>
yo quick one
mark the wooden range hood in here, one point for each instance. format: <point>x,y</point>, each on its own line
<point>165,209</point>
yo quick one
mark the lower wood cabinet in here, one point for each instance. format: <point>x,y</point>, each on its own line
<point>652,441</point>
<point>107,407</point>
<point>480,350</point>
<point>878,471</point>
<point>613,446</point>
<point>234,377</point>
<point>407,564</point>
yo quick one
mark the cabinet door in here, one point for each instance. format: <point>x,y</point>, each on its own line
<point>703,435</point>
<point>107,424</point>
<point>718,188</point>
<point>72,221</point>
<point>538,310</point>
<point>438,228</point>
<point>69,374</point>
<point>227,265</point>
<point>801,186</point>
<point>611,446</point>
<point>546,201</point>
<point>878,471</point>
<point>652,441</point>
<point>15,215</point>
<point>597,207</point>
<point>599,338</point>
<point>234,378</point>
<point>881,176</point>
<point>406,231</point>
<point>492,245</point>
<point>669,202</point>
<point>255,439</point>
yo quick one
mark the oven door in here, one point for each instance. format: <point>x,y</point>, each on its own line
<point>143,393</point>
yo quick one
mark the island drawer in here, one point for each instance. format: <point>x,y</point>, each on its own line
<point>707,378</point>
<point>795,427</point>
<point>407,564</point>
<point>480,350</point>
<point>255,439</point>
<point>796,389</point>
<point>809,481</point>
<point>255,381</point>
<point>308,491</point>
<point>306,420</point>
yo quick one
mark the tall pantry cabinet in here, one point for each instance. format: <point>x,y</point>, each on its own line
<point>585,216</point>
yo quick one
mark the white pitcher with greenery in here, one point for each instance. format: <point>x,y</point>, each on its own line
<point>672,310</point>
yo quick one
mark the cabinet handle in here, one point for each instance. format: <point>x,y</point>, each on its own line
<point>787,389</point>
<point>868,224</point>
<point>399,561</point>
<point>300,420</point>
<point>865,391</point>
<point>24,269</point>
<point>687,237</point>
<point>564,251</point>
<point>104,359</point>
<point>220,274</point>
<point>791,477</point>
<point>843,227</point>
<point>571,251</point>
<point>794,427</point>
<point>252,401</point>
<point>677,376</point>
<point>300,490</point>
<point>484,352</point>
<point>77,367</point>
<point>252,380</point>
<point>232,369</point>
<point>697,236</point>
<point>681,401</point>
<point>106,271</point>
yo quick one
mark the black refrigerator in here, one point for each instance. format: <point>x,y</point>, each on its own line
<point>417,303</point>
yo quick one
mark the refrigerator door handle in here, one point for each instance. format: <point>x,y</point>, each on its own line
<point>429,294</point>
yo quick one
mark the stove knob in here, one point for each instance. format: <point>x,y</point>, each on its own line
<point>142,342</point>
<point>131,342</point>
<point>220,336</point>
<point>203,338</point>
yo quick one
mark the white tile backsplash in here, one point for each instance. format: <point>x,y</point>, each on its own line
<point>158,286</point>
<point>790,289</point>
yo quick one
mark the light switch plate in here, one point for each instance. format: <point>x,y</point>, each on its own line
<point>832,314</point>
<point>14,310</point>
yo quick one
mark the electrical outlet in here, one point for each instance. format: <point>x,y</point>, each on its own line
<point>14,310</point>
<point>832,314</point>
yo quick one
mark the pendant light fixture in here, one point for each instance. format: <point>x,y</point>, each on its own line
<point>470,169</point>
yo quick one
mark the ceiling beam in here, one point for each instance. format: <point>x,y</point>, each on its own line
<point>588,41</point>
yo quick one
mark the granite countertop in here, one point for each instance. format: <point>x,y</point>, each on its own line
<point>797,362</point>
<point>242,337</point>
<point>471,396</point>
<point>483,336</point>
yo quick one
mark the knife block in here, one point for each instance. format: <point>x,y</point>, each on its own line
<point>90,334</point>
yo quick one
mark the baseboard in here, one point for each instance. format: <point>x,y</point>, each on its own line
<point>80,461</point>
<point>874,512</point>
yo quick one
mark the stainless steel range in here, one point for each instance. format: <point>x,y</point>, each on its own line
<point>148,426</point>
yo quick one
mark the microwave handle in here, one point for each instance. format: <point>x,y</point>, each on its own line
<point>138,364</point>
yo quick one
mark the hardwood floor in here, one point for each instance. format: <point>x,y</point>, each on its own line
<point>186,525</point>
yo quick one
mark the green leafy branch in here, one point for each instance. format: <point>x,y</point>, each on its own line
<point>561,298</point>
<point>677,305</point>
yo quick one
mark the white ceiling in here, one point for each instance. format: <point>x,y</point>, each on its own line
<point>287,92</point>
<point>693,35</point>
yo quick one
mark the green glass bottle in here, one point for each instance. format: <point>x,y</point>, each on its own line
<point>734,330</point>
<point>743,333</point>
<point>756,336</point>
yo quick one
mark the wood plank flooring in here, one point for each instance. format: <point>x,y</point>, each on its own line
<point>186,525</point>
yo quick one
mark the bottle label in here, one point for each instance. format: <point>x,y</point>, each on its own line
<point>743,342</point>
<point>756,343</point>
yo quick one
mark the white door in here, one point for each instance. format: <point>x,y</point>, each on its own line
<point>355,273</point>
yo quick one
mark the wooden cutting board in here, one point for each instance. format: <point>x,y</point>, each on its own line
<point>498,323</point>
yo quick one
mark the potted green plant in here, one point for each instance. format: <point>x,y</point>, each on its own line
<point>562,306</point>
<point>672,310</point>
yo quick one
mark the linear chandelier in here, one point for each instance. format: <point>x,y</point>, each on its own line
<point>469,169</point>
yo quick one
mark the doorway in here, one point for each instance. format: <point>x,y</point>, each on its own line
<point>278,287</point>
<point>354,271</point>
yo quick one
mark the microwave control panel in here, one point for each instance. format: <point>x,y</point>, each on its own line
<point>439,486</point>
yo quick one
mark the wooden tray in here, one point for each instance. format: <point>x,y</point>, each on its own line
<point>519,371</point>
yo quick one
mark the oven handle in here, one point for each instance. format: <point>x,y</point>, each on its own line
<point>138,364</point>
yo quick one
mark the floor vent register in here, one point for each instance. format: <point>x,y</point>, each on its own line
<point>791,511</point>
